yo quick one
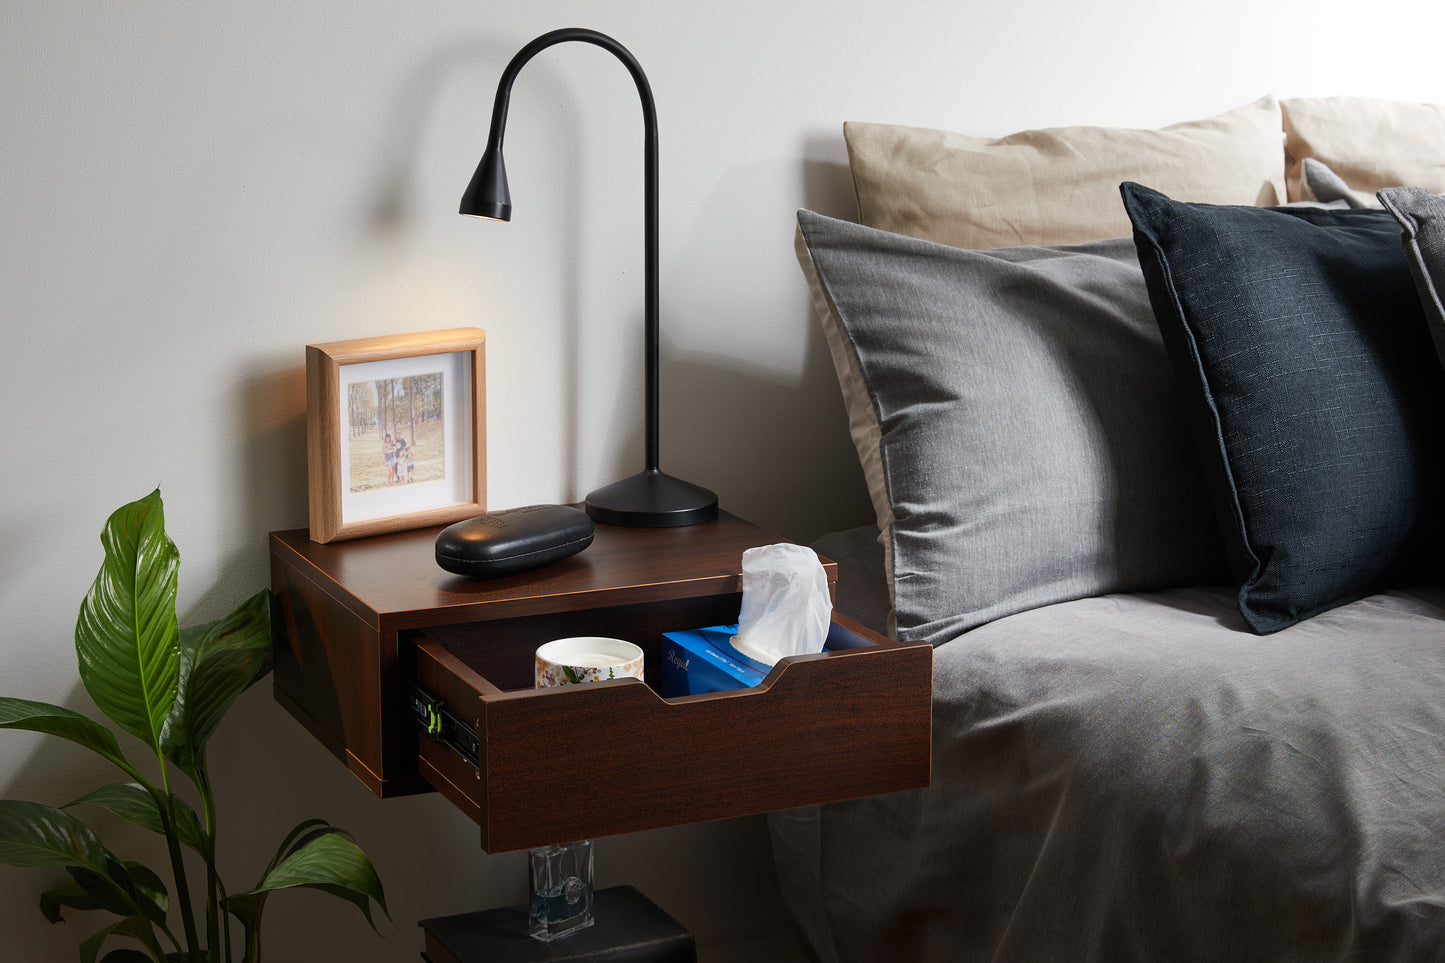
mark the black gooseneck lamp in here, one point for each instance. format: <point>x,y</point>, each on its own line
<point>651,498</point>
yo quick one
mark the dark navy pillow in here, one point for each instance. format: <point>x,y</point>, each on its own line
<point>1303,351</point>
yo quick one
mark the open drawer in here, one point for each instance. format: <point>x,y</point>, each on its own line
<point>534,767</point>
<point>360,625</point>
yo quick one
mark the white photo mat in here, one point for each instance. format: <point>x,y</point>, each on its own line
<point>455,485</point>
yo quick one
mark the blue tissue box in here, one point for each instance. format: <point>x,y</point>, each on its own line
<point>704,660</point>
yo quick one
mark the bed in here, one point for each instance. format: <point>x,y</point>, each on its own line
<point>1151,425</point>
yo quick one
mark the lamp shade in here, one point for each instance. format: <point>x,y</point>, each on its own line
<point>487,195</point>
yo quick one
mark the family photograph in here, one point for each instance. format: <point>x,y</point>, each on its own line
<point>396,432</point>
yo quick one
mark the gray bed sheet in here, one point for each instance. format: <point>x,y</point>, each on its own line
<point>1136,777</point>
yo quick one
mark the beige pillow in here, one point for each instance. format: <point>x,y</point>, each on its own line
<point>1370,144</point>
<point>1057,186</point>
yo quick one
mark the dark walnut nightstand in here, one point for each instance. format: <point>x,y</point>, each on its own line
<point>418,680</point>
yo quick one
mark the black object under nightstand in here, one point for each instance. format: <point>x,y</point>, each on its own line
<point>630,928</point>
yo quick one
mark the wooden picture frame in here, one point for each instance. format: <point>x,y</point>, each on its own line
<point>395,432</point>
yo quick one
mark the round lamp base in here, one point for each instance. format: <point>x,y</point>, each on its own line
<point>652,499</point>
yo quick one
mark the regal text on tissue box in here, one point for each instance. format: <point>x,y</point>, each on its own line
<point>704,660</point>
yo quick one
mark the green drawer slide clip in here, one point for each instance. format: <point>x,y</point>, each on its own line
<point>444,726</point>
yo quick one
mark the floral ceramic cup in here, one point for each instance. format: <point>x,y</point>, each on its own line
<point>586,659</point>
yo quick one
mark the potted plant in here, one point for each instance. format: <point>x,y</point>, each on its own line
<point>170,688</point>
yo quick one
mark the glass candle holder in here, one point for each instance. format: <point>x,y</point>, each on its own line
<point>560,882</point>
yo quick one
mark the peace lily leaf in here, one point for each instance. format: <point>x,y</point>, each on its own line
<point>87,889</point>
<point>90,946</point>
<point>125,889</point>
<point>150,891</point>
<point>329,863</point>
<point>111,894</point>
<point>135,927</point>
<point>305,831</point>
<point>219,661</point>
<point>131,801</point>
<point>126,956</point>
<point>60,721</point>
<point>248,907</point>
<point>33,834</point>
<point>171,689</point>
<point>126,641</point>
<point>69,893</point>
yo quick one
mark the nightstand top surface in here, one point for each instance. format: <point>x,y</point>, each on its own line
<point>393,581</point>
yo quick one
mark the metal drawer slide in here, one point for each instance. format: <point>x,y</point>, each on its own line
<point>444,726</point>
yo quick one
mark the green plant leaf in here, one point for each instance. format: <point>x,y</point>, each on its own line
<point>127,645</point>
<point>129,890</point>
<point>136,927</point>
<point>33,834</point>
<point>113,895</point>
<point>305,831</point>
<point>126,955</point>
<point>75,895</point>
<point>329,863</point>
<point>219,661</point>
<point>247,908</point>
<point>133,802</point>
<point>65,723</point>
<point>150,891</point>
<point>69,893</point>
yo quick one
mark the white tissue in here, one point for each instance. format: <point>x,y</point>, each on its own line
<point>786,605</point>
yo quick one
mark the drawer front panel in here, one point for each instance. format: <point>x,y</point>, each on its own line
<point>607,758</point>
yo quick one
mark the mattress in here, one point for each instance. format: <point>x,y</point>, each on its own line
<point>1136,777</point>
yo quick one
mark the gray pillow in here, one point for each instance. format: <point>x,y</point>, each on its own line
<point>1021,417</point>
<point>1327,187</point>
<point>1422,217</point>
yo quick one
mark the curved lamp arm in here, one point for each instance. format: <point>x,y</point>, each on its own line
<point>659,499</point>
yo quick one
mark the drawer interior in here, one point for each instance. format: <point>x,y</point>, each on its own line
<point>502,653</point>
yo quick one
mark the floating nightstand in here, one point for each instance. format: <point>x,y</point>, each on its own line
<point>361,624</point>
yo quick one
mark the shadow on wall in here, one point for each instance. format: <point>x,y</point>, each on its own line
<point>274,396</point>
<point>773,443</point>
<point>827,182</point>
<point>394,208</point>
<point>272,402</point>
<point>777,452</point>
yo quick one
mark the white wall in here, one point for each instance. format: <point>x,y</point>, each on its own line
<point>189,193</point>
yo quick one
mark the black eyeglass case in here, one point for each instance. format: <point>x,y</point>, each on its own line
<point>513,540</point>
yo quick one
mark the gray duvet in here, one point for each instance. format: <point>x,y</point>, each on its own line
<point>1136,777</point>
